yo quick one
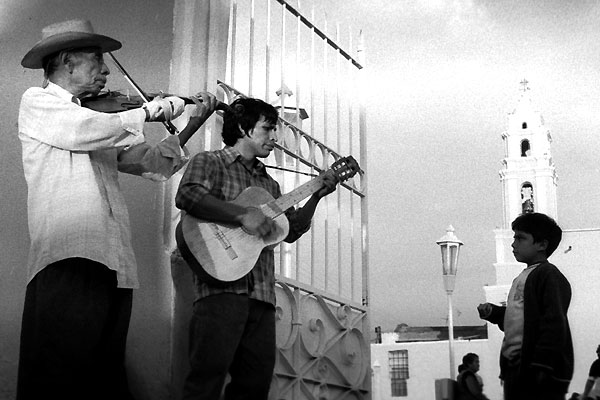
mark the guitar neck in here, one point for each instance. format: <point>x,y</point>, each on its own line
<point>278,206</point>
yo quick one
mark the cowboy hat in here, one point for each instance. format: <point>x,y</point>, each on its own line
<point>70,34</point>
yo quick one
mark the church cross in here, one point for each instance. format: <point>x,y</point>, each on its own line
<point>524,83</point>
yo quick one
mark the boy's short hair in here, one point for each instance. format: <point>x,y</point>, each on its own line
<point>469,358</point>
<point>541,227</point>
<point>245,113</point>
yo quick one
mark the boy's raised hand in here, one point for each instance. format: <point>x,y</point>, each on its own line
<point>484,310</point>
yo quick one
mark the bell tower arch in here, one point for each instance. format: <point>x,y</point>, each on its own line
<point>527,175</point>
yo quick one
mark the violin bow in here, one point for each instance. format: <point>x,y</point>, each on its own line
<point>170,127</point>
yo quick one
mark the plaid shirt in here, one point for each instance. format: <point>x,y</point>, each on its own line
<point>221,174</point>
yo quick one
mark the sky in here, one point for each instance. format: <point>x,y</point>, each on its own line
<point>443,76</point>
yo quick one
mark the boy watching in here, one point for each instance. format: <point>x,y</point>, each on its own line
<point>536,358</point>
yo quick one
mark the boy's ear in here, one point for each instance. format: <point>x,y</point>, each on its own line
<point>542,244</point>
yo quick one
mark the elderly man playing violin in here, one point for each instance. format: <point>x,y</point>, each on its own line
<point>81,268</point>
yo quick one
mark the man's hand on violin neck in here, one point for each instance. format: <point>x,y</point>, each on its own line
<point>205,100</point>
<point>164,109</point>
<point>171,107</point>
<point>205,105</point>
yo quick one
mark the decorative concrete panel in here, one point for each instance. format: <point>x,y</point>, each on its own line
<point>322,347</point>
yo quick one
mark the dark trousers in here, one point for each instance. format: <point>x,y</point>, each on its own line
<point>73,334</point>
<point>520,384</point>
<point>231,333</point>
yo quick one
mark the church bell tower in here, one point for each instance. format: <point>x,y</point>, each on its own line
<point>528,175</point>
<point>528,178</point>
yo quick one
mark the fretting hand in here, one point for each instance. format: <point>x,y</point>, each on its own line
<point>330,181</point>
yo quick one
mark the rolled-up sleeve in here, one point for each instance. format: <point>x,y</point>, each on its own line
<point>158,162</point>
<point>297,228</point>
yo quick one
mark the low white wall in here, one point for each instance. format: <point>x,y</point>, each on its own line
<point>428,361</point>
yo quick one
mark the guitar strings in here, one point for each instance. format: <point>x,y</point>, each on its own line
<point>291,170</point>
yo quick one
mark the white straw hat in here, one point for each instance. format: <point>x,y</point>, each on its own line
<point>70,34</point>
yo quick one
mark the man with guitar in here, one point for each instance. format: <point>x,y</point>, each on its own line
<point>233,324</point>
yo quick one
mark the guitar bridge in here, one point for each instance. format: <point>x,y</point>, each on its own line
<point>224,242</point>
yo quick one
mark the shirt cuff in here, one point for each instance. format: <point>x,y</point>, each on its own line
<point>133,121</point>
<point>170,147</point>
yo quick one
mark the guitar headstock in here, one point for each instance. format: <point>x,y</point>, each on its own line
<point>345,168</point>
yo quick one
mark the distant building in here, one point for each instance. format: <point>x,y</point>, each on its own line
<point>409,360</point>
<point>405,333</point>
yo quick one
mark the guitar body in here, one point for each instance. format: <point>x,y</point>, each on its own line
<point>220,253</point>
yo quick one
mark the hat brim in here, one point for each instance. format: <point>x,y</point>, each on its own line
<point>68,40</point>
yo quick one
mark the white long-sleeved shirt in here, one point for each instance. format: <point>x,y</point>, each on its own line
<point>71,159</point>
<point>514,316</point>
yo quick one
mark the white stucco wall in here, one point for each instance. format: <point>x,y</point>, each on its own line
<point>428,361</point>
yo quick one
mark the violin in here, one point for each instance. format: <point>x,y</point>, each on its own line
<point>114,102</point>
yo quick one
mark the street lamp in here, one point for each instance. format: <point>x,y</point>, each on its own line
<point>450,246</point>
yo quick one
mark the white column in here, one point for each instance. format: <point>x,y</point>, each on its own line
<point>376,381</point>
<point>198,60</point>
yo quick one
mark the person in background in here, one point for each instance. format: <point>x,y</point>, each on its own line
<point>592,385</point>
<point>81,268</point>
<point>470,384</point>
<point>536,357</point>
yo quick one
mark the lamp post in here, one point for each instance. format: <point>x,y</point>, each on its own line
<point>450,246</point>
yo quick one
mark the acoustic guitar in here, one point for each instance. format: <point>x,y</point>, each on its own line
<point>221,253</point>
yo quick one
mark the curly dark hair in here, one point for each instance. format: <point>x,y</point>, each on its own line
<point>541,227</point>
<point>244,114</point>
